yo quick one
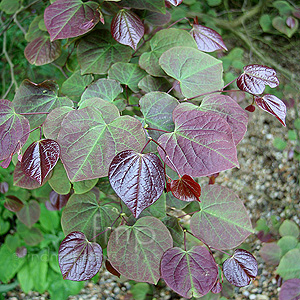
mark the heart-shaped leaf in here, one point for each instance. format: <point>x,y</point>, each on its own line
<point>162,41</point>
<point>157,19</point>
<point>186,189</point>
<point>14,131</point>
<point>240,268</point>
<point>32,98</point>
<point>289,266</point>
<point>174,2</point>
<point>56,201</point>
<point>270,253</point>
<point>152,5</point>
<point>127,28</point>
<point>145,241</point>
<point>29,213</point>
<point>201,144</point>
<point>290,290</point>
<point>150,84</point>
<point>282,26</point>
<point>189,273</point>
<point>70,18</point>
<point>273,106</point>
<point>255,78</point>
<point>98,51</point>
<point>40,158</point>
<point>196,71</point>
<point>59,180</point>
<point>13,203</point>
<point>222,222</point>
<point>95,142</point>
<point>217,288</point>
<point>41,51</point>
<point>207,39</point>
<point>78,258</point>
<point>138,179</point>
<point>128,74</point>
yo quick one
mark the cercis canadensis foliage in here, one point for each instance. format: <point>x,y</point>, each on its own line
<point>149,116</point>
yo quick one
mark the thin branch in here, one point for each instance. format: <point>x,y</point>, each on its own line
<point>18,24</point>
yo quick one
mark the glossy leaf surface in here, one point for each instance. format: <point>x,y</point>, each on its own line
<point>289,267</point>
<point>255,78</point>
<point>31,98</point>
<point>175,2</point>
<point>99,51</point>
<point>84,213</point>
<point>41,51</point>
<point>128,74</point>
<point>146,241</point>
<point>201,144</point>
<point>196,71</point>
<point>14,131</point>
<point>290,290</point>
<point>223,222</point>
<point>127,28</point>
<point>189,273</point>
<point>78,258</point>
<point>162,41</point>
<point>273,106</point>
<point>40,158</point>
<point>153,5</point>
<point>70,18</point>
<point>207,39</point>
<point>240,268</point>
<point>95,142</point>
<point>29,213</point>
<point>13,203</point>
<point>228,109</point>
<point>56,201</point>
<point>138,179</point>
<point>185,189</point>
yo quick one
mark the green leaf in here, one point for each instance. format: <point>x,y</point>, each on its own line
<point>140,290</point>
<point>10,6</point>
<point>287,243</point>
<point>175,229</point>
<point>98,51</point>
<point>13,241</point>
<point>75,85</point>
<point>151,84</point>
<point>25,277</point>
<point>196,71</point>
<point>31,236</point>
<point>289,266</point>
<point>49,219</point>
<point>153,5</point>
<point>214,2</point>
<point>162,41</point>
<point>285,9</point>
<point>128,74</point>
<point>39,269</point>
<point>34,30</point>
<point>59,180</point>
<point>289,228</point>
<point>297,123</point>
<point>84,213</point>
<point>157,209</point>
<point>4,226</point>
<point>265,22</point>
<point>94,141</point>
<point>280,24</point>
<point>279,143</point>
<point>292,135</point>
<point>84,186</point>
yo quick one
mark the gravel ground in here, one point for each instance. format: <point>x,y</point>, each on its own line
<point>267,182</point>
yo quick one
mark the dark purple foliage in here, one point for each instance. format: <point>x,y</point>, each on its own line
<point>111,269</point>
<point>217,288</point>
<point>21,251</point>
<point>291,22</point>
<point>78,258</point>
<point>250,108</point>
<point>138,179</point>
<point>290,290</point>
<point>56,201</point>
<point>174,2</point>
<point>127,28</point>
<point>13,203</point>
<point>4,187</point>
<point>240,268</point>
<point>40,158</point>
<point>255,78</point>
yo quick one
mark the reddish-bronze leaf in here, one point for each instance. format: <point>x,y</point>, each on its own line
<point>111,269</point>
<point>174,2</point>
<point>13,203</point>
<point>255,78</point>
<point>240,268</point>
<point>78,258</point>
<point>250,108</point>
<point>207,39</point>
<point>273,106</point>
<point>217,288</point>
<point>40,158</point>
<point>185,189</point>
<point>4,187</point>
<point>56,201</point>
<point>127,28</point>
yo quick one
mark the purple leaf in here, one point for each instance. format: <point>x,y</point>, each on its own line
<point>255,78</point>
<point>41,51</point>
<point>189,273</point>
<point>174,2</point>
<point>240,268</point>
<point>290,290</point>
<point>222,221</point>
<point>291,22</point>
<point>250,108</point>
<point>138,179</point>
<point>207,39</point>
<point>78,258</point>
<point>4,187</point>
<point>152,5</point>
<point>271,253</point>
<point>30,213</point>
<point>273,106</point>
<point>136,251</point>
<point>127,28</point>
<point>111,269</point>
<point>21,251</point>
<point>13,203</point>
<point>56,202</point>
<point>40,158</point>
<point>14,131</point>
<point>185,189</point>
<point>201,144</point>
<point>217,288</point>
<point>157,19</point>
<point>70,18</point>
